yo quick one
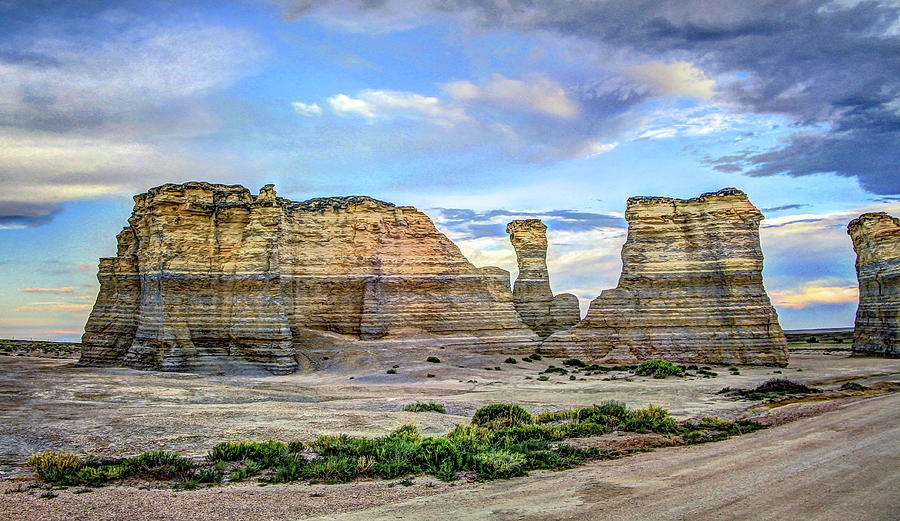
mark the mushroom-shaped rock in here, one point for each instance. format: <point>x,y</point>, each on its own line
<point>534,300</point>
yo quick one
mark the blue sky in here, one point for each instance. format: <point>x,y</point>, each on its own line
<point>476,112</point>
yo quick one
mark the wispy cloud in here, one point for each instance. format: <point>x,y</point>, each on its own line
<point>813,293</point>
<point>52,306</point>
<point>304,109</point>
<point>65,289</point>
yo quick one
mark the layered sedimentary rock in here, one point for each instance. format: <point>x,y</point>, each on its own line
<point>876,240</point>
<point>209,277</point>
<point>690,291</point>
<point>539,309</point>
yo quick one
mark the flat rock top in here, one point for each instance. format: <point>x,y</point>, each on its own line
<point>652,200</point>
<point>229,195</point>
<point>867,220</point>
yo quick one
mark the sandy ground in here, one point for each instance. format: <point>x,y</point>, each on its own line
<point>848,448</point>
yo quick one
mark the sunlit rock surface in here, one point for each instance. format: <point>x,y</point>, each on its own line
<point>876,240</point>
<point>539,309</point>
<point>690,291</point>
<point>210,278</point>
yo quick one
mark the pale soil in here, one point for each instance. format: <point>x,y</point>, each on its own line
<point>50,404</point>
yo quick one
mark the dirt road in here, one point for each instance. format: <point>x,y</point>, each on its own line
<point>844,464</point>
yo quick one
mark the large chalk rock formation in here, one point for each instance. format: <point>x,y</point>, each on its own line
<point>539,309</point>
<point>876,240</point>
<point>690,291</point>
<point>210,278</point>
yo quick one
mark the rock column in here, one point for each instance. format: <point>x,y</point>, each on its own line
<point>534,300</point>
<point>876,240</point>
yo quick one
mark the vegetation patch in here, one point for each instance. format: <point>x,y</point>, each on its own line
<point>433,360</point>
<point>659,369</point>
<point>774,388</point>
<point>502,441</point>
<point>424,407</point>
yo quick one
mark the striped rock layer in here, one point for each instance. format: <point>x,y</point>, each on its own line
<point>876,240</point>
<point>690,291</point>
<point>539,309</point>
<point>210,278</point>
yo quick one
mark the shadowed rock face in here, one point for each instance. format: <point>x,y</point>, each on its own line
<point>876,240</point>
<point>539,309</point>
<point>209,278</point>
<point>690,290</point>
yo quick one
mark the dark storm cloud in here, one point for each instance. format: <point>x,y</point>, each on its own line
<point>820,63</point>
<point>493,223</point>
<point>26,215</point>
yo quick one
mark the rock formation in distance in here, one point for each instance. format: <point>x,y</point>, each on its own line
<point>876,240</point>
<point>690,291</point>
<point>210,278</point>
<point>539,309</point>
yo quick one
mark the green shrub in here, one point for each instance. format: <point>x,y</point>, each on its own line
<point>248,470</point>
<point>543,378</point>
<point>651,419</point>
<point>54,467</point>
<point>510,360</point>
<point>501,414</point>
<point>435,451</point>
<point>267,453</point>
<point>574,362</point>
<point>658,369</point>
<point>424,406</point>
<point>295,446</point>
<point>336,469</point>
<point>391,371</point>
<point>291,468</point>
<point>407,431</point>
<point>553,369</point>
<point>433,360</point>
<point>500,464</point>
<point>536,356</point>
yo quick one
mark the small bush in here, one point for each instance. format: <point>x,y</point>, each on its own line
<point>510,360</point>
<point>391,371</point>
<point>267,453</point>
<point>435,451</point>
<point>501,414</point>
<point>543,378</point>
<point>429,375</point>
<point>433,360</point>
<point>500,464</point>
<point>54,467</point>
<point>248,470</point>
<point>574,362</point>
<point>424,406</point>
<point>536,356</point>
<point>783,385</point>
<point>658,369</point>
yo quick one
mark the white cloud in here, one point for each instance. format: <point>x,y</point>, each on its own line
<point>307,110</point>
<point>344,105</point>
<point>675,79</point>
<point>373,104</point>
<point>535,93</point>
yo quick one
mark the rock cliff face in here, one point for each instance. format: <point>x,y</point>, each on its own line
<point>210,278</point>
<point>690,290</point>
<point>539,309</point>
<point>876,240</point>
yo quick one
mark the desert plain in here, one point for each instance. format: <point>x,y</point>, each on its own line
<point>834,455</point>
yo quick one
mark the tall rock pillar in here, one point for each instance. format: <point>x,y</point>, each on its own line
<point>534,300</point>
<point>876,240</point>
